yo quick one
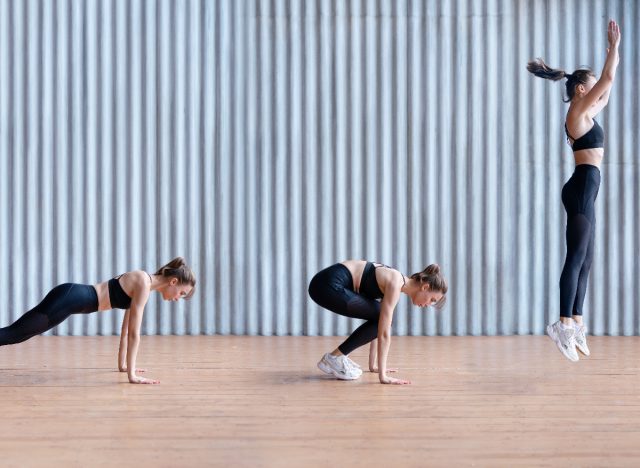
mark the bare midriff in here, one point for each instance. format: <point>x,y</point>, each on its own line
<point>356,267</point>
<point>102,289</point>
<point>592,156</point>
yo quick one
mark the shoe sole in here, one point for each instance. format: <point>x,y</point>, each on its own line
<point>556,340</point>
<point>328,370</point>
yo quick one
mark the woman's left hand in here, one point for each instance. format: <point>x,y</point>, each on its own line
<point>613,34</point>
<point>394,381</point>
<point>141,380</point>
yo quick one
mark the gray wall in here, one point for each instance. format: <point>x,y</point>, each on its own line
<point>265,140</point>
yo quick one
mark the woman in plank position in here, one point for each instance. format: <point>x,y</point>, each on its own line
<point>128,291</point>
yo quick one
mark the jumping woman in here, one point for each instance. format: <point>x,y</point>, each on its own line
<point>370,291</point>
<point>587,97</point>
<point>128,291</point>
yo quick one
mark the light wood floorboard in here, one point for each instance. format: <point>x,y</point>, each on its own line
<point>260,401</point>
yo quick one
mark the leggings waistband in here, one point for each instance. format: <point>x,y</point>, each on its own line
<point>586,168</point>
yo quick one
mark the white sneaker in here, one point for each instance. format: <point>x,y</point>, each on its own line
<point>339,366</point>
<point>565,338</point>
<point>353,363</point>
<point>581,339</point>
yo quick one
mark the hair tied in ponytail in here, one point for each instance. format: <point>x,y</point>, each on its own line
<point>177,268</point>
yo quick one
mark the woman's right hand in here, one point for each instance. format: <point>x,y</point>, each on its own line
<point>390,380</point>
<point>141,380</point>
<point>613,34</point>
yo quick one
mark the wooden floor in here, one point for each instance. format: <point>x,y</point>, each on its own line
<point>255,401</point>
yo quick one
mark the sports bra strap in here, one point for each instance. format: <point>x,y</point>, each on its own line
<point>386,266</point>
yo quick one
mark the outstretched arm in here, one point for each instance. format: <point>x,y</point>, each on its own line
<point>373,353</point>
<point>373,357</point>
<point>122,352</point>
<point>391,297</point>
<point>133,337</point>
<point>598,97</point>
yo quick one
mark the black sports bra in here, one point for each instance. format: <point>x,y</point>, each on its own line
<point>117,296</point>
<point>368,283</point>
<point>594,138</point>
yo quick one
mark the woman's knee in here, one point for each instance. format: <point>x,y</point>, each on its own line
<point>317,289</point>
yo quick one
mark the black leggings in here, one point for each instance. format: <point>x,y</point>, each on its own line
<point>57,306</point>
<point>332,288</point>
<point>578,196</point>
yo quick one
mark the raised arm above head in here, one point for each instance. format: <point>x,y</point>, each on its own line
<point>595,99</point>
<point>587,95</point>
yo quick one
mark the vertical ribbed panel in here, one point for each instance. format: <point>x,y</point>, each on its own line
<point>265,140</point>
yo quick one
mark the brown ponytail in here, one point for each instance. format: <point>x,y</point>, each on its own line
<point>542,70</point>
<point>177,268</point>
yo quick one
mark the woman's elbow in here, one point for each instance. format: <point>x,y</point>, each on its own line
<point>608,77</point>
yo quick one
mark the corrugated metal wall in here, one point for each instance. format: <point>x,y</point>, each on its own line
<point>265,140</point>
